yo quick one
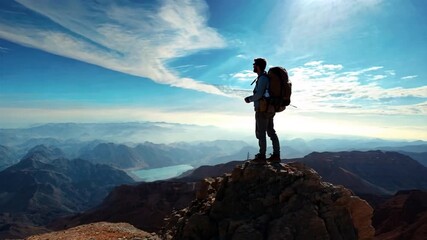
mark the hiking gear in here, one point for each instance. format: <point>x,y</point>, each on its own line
<point>274,158</point>
<point>259,159</point>
<point>280,89</point>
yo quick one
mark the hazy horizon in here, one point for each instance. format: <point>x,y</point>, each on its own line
<point>357,67</point>
<point>163,133</point>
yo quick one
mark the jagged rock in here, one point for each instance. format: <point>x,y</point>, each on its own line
<point>278,201</point>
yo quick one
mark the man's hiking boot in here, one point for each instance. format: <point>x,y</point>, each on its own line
<point>259,159</point>
<point>274,158</point>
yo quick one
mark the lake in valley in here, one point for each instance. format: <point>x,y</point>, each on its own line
<point>154,174</point>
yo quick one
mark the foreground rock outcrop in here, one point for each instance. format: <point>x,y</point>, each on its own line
<point>98,231</point>
<point>278,201</point>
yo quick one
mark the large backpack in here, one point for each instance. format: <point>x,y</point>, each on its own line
<point>280,89</point>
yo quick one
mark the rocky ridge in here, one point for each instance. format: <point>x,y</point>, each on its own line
<point>273,201</point>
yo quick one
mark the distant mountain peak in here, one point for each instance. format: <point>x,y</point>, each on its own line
<point>30,163</point>
<point>278,201</point>
<point>44,153</point>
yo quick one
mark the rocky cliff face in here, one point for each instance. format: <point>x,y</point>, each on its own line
<point>279,201</point>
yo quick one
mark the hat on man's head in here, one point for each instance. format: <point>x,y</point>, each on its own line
<point>261,62</point>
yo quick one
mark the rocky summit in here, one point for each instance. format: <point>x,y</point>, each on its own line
<point>271,201</point>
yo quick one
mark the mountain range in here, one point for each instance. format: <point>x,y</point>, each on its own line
<point>133,156</point>
<point>152,155</point>
<point>111,132</point>
<point>126,145</point>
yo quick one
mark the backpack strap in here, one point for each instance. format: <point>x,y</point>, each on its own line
<point>256,79</point>
<point>267,89</point>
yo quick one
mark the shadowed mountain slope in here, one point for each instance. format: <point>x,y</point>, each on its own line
<point>33,192</point>
<point>144,205</point>
<point>7,157</point>
<point>389,171</point>
<point>402,217</point>
<point>371,172</point>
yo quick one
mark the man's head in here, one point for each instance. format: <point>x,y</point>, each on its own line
<point>259,65</point>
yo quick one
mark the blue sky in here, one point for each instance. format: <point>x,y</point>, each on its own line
<point>357,67</point>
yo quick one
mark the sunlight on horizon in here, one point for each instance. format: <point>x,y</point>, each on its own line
<point>240,123</point>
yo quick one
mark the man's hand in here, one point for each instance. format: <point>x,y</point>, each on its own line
<point>247,99</point>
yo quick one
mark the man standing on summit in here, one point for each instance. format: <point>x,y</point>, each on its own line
<point>263,118</point>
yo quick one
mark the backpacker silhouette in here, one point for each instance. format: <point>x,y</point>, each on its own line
<point>280,89</point>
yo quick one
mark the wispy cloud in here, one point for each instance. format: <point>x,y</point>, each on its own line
<point>137,39</point>
<point>328,88</point>
<point>242,56</point>
<point>409,77</point>
<point>378,77</point>
<point>322,87</point>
